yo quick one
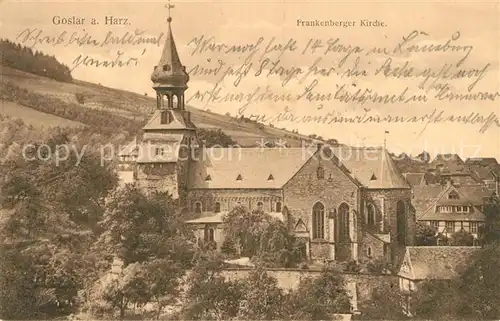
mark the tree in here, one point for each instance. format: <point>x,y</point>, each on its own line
<point>385,303</point>
<point>481,277</point>
<point>263,237</point>
<point>217,138</point>
<point>138,228</point>
<point>425,234</point>
<point>440,300</point>
<point>209,295</point>
<point>320,298</point>
<point>462,238</point>
<point>262,298</point>
<point>491,230</point>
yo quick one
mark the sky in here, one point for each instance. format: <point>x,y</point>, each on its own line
<point>244,22</point>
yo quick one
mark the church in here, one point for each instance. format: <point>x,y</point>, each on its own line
<point>346,203</point>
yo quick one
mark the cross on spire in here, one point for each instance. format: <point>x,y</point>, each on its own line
<point>169,6</point>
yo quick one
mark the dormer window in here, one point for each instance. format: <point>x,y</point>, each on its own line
<point>239,178</point>
<point>270,178</point>
<point>453,196</point>
<point>373,178</point>
<point>159,151</point>
<point>208,178</point>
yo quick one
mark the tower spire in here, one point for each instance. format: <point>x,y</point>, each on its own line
<point>169,6</point>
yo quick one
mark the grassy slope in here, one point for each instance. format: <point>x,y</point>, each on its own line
<point>131,105</point>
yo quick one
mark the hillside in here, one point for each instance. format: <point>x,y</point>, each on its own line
<point>129,105</point>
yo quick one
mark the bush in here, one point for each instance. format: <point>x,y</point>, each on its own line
<point>379,266</point>
<point>80,98</point>
<point>352,266</point>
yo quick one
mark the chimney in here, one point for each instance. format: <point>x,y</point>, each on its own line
<point>319,145</point>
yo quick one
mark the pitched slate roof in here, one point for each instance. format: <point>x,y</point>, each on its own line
<point>436,262</point>
<point>488,172</point>
<point>482,161</point>
<point>366,163</point>
<point>415,178</point>
<point>253,165</point>
<point>179,121</point>
<point>427,198</point>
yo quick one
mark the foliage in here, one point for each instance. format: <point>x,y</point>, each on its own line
<point>209,295</point>
<point>462,238</point>
<point>482,278</point>
<point>491,231</point>
<point>98,120</point>
<point>49,219</point>
<point>384,304</point>
<point>442,239</point>
<point>352,266</point>
<point>23,58</point>
<point>217,138</point>
<point>262,237</point>
<point>319,299</point>
<point>263,298</point>
<point>425,234</point>
<point>379,266</point>
<point>138,228</point>
<point>440,300</point>
<point>80,98</point>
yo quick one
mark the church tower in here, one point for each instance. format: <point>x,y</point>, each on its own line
<point>164,151</point>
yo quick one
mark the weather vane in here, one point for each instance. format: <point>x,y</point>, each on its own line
<point>169,7</point>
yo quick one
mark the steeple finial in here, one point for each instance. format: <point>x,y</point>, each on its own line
<point>169,6</point>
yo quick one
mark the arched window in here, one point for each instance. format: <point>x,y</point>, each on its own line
<point>401,222</point>
<point>369,251</point>
<point>209,234</point>
<point>278,207</point>
<point>197,207</point>
<point>318,226</point>
<point>217,207</point>
<point>370,215</point>
<point>175,101</point>
<point>260,205</point>
<point>343,223</point>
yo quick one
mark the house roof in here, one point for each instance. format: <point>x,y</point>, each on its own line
<point>427,198</point>
<point>179,121</point>
<point>415,178</point>
<point>372,167</point>
<point>482,161</point>
<point>250,168</point>
<point>436,262</point>
<point>147,150</point>
<point>488,172</point>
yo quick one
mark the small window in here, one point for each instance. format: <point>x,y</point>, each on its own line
<point>278,207</point>
<point>197,207</point>
<point>159,151</point>
<point>453,196</point>
<point>208,178</point>
<point>373,178</point>
<point>260,205</point>
<point>217,207</point>
<point>450,227</point>
<point>320,173</point>
<point>435,224</point>
<point>271,177</point>
<point>369,251</point>
<point>473,227</point>
<point>239,178</point>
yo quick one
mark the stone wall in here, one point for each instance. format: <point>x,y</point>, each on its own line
<point>305,189</point>
<point>159,177</point>
<point>290,278</point>
<point>228,198</point>
<point>386,200</point>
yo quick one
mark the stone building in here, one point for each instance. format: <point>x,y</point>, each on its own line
<point>347,203</point>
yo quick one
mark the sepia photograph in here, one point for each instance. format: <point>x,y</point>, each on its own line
<point>249,160</point>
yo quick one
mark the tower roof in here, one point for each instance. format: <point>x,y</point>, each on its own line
<point>170,72</point>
